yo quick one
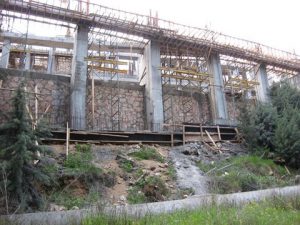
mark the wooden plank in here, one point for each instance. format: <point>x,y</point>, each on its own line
<point>214,143</point>
<point>100,134</point>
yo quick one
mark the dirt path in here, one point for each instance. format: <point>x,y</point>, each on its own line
<point>188,174</point>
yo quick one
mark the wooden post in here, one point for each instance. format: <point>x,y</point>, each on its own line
<point>172,139</point>
<point>183,134</point>
<point>219,134</point>
<point>35,106</point>
<point>93,99</point>
<point>201,130</point>
<point>67,140</point>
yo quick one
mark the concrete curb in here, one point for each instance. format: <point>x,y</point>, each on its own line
<point>194,202</point>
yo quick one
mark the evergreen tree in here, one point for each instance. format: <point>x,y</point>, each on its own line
<point>18,151</point>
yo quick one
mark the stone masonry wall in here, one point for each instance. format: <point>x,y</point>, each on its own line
<point>52,92</point>
<point>187,108</point>
<point>233,107</point>
<point>131,105</point>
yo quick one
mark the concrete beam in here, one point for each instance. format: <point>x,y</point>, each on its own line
<point>79,79</point>
<point>153,88</point>
<point>218,101</point>
<point>263,87</point>
<point>63,42</point>
<point>28,61</point>
<point>5,53</point>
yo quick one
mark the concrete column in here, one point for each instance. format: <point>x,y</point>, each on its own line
<point>51,61</point>
<point>262,88</point>
<point>28,61</point>
<point>79,79</point>
<point>218,101</point>
<point>153,88</point>
<point>5,53</point>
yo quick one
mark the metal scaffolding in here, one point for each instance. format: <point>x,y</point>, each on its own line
<point>182,75</point>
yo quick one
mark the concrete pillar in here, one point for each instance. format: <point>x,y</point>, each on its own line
<point>5,53</point>
<point>28,61</point>
<point>262,88</point>
<point>51,61</point>
<point>153,88</point>
<point>79,79</point>
<point>218,101</point>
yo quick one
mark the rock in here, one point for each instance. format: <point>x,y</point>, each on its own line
<point>122,198</point>
<point>185,196</point>
<point>152,168</point>
<point>54,207</point>
<point>157,174</point>
<point>75,208</point>
<point>297,179</point>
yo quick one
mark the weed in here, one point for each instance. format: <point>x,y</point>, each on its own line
<point>136,196</point>
<point>148,153</point>
<point>281,211</point>
<point>83,147</point>
<point>127,166</point>
<point>80,162</point>
<point>245,173</point>
<point>149,189</point>
<point>171,172</point>
<point>69,200</point>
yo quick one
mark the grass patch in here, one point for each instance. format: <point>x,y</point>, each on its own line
<point>136,196</point>
<point>149,189</point>
<point>126,165</point>
<point>245,173</point>
<point>147,153</point>
<point>171,172</point>
<point>80,161</point>
<point>70,200</point>
<point>268,213</point>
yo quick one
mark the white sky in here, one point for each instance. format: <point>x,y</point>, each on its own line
<point>271,22</point>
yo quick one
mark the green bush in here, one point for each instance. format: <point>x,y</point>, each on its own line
<point>275,128</point>
<point>148,153</point>
<point>69,200</point>
<point>245,173</point>
<point>149,189</point>
<point>83,147</point>
<point>127,166</point>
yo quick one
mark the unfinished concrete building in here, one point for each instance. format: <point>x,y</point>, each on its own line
<point>118,71</point>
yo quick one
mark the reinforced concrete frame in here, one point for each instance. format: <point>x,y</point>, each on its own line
<point>175,57</point>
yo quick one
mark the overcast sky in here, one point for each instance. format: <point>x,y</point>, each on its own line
<point>271,22</point>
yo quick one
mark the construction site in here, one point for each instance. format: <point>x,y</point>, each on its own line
<point>128,76</point>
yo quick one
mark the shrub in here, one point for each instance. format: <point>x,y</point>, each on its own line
<point>18,151</point>
<point>275,128</point>
<point>245,173</point>
<point>287,137</point>
<point>148,153</point>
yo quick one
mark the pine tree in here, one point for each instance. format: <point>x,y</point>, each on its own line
<point>18,150</point>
